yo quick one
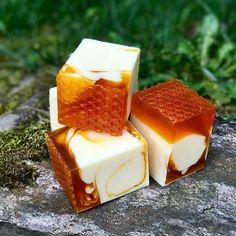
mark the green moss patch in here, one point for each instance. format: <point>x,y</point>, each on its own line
<point>21,147</point>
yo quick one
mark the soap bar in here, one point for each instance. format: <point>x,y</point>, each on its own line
<point>94,168</point>
<point>177,124</point>
<point>95,86</point>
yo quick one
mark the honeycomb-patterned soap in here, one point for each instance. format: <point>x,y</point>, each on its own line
<point>95,86</point>
<point>181,120</point>
<point>173,104</point>
<point>99,106</point>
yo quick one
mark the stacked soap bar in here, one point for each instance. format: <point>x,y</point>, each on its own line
<point>94,168</point>
<point>53,109</point>
<point>96,154</point>
<point>95,86</point>
<point>177,124</point>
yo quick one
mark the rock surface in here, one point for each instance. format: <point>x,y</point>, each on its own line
<point>201,204</point>
<point>8,121</point>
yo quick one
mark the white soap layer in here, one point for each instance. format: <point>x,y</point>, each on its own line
<point>115,164</point>
<point>94,55</point>
<point>115,76</point>
<point>159,151</point>
<point>53,109</point>
<point>185,152</point>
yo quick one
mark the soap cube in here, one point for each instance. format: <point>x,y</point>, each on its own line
<point>177,124</point>
<point>94,168</point>
<point>95,86</point>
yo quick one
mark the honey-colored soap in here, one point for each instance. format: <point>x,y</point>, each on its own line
<point>177,125</point>
<point>95,86</point>
<point>94,168</point>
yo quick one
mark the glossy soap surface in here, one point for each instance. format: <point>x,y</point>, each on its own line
<point>95,86</point>
<point>94,168</point>
<point>92,105</point>
<point>178,122</point>
<point>173,110</point>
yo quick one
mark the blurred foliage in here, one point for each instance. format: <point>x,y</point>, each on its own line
<point>191,40</point>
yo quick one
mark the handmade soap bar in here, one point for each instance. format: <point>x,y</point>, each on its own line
<point>94,168</point>
<point>177,124</point>
<point>95,86</point>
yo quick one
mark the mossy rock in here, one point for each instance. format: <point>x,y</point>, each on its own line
<point>22,140</point>
<point>200,204</point>
<point>21,147</point>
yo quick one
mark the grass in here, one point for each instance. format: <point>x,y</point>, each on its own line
<point>190,40</point>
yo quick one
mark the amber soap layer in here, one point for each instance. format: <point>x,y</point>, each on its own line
<point>99,105</point>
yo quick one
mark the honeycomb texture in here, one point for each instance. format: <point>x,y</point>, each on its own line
<point>174,101</point>
<point>62,172</point>
<point>101,108</point>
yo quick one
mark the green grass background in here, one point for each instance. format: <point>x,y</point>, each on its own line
<point>191,40</point>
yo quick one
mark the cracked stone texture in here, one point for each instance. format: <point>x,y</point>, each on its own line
<point>201,204</point>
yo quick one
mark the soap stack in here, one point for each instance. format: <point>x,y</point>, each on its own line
<point>96,154</point>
